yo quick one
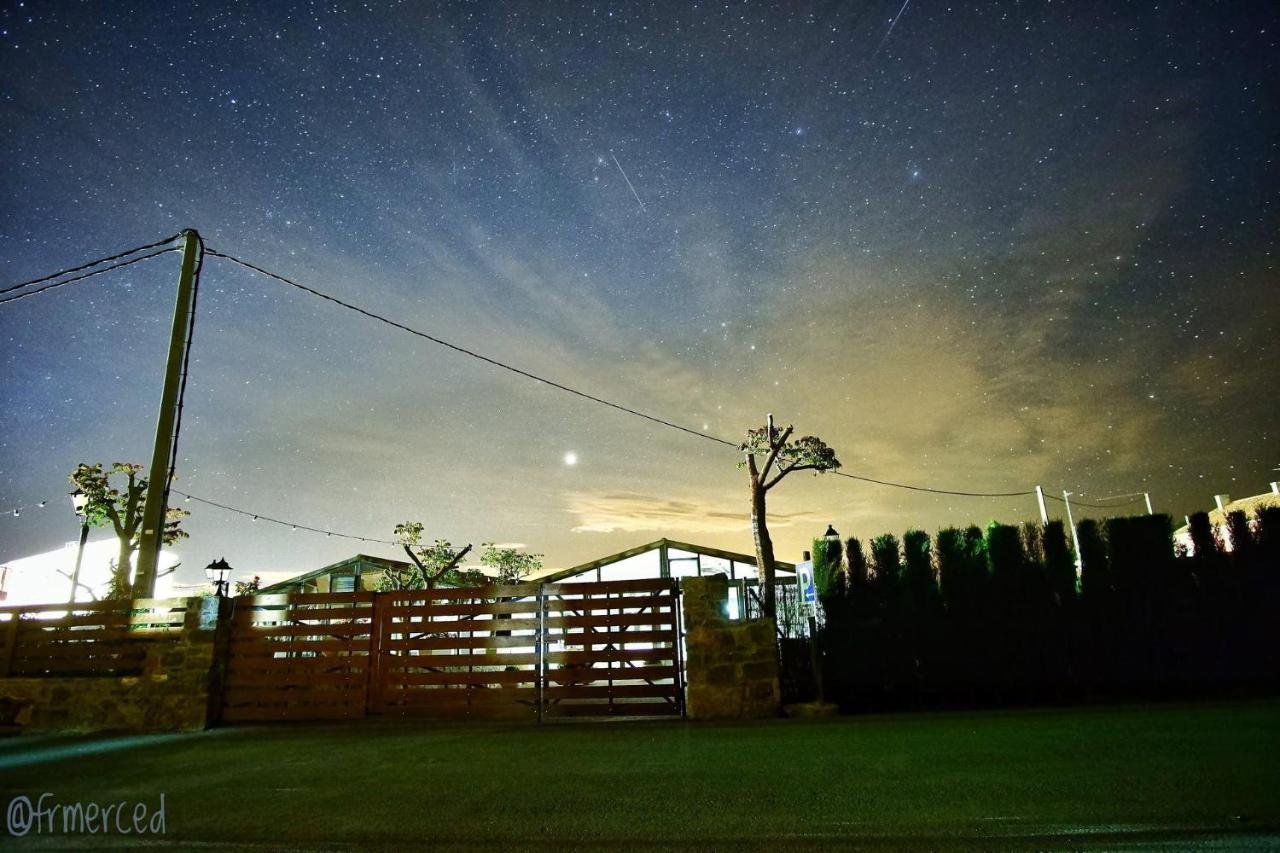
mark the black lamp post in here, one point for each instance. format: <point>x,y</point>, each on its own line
<point>217,572</point>
<point>80,503</point>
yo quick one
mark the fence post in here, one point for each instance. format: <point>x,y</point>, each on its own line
<point>677,619</point>
<point>10,644</point>
<point>373,670</point>
<point>542,650</point>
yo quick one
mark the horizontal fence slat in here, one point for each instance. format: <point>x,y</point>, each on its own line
<point>496,591</point>
<point>610,620</point>
<point>259,678</point>
<point>606,691</point>
<point>637,655</point>
<point>294,645</point>
<point>583,606</point>
<point>303,599</point>
<point>611,638</point>
<point>442,660</point>
<point>652,585</point>
<point>125,605</point>
<point>484,642</point>
<point>438,625</point>
<point>92,635</point>
<point>285,615</point>
<point>464,677</point>
<point>341,629</point>
<point>529,605</point>
<point>175,619</point>
<point>471,695</point>
<point>580,675</point>
<point>615,709</point>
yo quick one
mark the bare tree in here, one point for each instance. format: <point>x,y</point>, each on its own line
<point>781,456</point>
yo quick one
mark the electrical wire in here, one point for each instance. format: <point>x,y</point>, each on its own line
<point>292,525</point>
<point>1054,497</point>
<point>16,512</point>
<point>117,256</point>
<point>62,283</point>
<point>618,406</point>
<point>935,491</point>
<point>471,353</point>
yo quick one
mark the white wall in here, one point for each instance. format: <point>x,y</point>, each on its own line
<point>46,578</point>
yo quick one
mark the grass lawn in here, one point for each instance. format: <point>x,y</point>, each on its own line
<point>1134,776</point>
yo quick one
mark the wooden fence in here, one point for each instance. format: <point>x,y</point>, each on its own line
<point>108,638</point>
<point>528,651</point>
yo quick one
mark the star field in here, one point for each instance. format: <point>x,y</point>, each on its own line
<point>1004,245</point>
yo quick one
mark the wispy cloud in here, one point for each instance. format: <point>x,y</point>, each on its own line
<point>628,512</point>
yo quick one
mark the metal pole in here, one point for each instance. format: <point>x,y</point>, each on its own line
<point>153,512</point>
<point>75,574</point>
<point>1075,537</point>
<point>1147,496</point>
<point>542,651</point>
<point>1044,511</point>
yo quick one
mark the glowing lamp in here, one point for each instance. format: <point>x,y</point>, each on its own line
<point>218,572</point>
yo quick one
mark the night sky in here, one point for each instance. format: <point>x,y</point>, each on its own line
<point>1002,244</point>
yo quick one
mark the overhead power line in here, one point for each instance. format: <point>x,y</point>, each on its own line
<point>14,297</point>
<point>936,491</point>
<point>117,256</point>
<point>17,512</point>
<point>290,524</point>
<point>1131,499</point>
<point>583,394</point>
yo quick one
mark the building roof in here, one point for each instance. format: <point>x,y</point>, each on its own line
<point>750,559</point>
<point>337,568</point>
<point>1249,506</point>
<point>366,562</point>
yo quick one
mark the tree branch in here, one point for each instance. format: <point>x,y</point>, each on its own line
<point>452,564</point>
<point>774,449</point>
<point>416,561</point>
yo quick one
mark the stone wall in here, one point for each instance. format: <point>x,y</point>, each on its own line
<point>731,668</point>
<point>178,690</point>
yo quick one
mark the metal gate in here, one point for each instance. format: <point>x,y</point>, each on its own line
<point>529,651</point>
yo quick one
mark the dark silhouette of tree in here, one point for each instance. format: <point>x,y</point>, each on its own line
<point>780,457</point>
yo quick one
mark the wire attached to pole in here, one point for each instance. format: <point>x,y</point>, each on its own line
<point>117,256</point>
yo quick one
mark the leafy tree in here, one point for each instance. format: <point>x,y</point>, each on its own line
<point>856,560</point>
<point>1058,566</point>
<point>119,504</point>
<point>1204,541</point>
<point>431,563</point>
<point>828,573</point>
<point>782,456</point>
<point>512,565</point>
<point>1095,581</point>
<point>249,587</point>
<point>887,562</point>
<point>922,583</point>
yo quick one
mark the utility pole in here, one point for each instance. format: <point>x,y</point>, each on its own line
<point>1044,511</point>
<point>1147,497</point>
<point>1075,537</point>
<point>154,510</point>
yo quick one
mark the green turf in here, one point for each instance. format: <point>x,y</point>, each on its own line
<point>1081,777</point>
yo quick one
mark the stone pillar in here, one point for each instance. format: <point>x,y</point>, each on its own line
<point>731,668</point>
